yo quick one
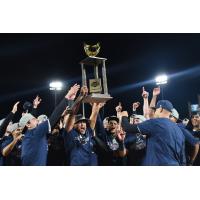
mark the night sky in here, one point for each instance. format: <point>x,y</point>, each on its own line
<point>30,61</point>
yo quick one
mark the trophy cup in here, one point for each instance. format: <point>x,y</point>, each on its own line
<point>97,93</point>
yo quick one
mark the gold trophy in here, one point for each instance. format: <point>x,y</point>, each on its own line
<point>97,93</point>
<point>92,50</point>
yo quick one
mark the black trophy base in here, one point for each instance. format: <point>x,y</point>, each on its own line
<point>97,98</point>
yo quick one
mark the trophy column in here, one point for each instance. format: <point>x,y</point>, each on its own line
<point>84,83</point>
<point>84,78</point>
<point>96,92</point>
<point>96,72</point>
<point>105,87</point>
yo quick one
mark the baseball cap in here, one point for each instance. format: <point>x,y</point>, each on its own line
<point>105,120</point>
<point>42,118</point>
<point>175,113</point>
<point>80,118</point>
<point>115,118</point>
<point>165,104</point>
<point>24,119</point>
<point>141,117</point>
<point>12,127</point>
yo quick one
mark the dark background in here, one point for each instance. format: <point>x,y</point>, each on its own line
<point>30,61</point>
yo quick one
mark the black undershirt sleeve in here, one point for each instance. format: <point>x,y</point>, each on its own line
<point>55,116</point>
<point>130,128</point>
<point>34,112</point>
<point>101,144</point>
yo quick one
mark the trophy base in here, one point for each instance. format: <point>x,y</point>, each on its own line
<point>97,98</point>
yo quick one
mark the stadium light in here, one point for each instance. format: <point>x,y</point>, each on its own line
<point>161,79</point>
<point>55,86</point>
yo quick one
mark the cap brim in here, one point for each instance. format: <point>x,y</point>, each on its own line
<point>82,120</point>
<point>164,108</point>
<point>114,119</point>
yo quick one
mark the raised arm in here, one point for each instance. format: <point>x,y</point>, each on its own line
<point>8,119</point>
<point>156,92</point>
<point>119,110</point>
<point>76,105</point>
<point>36,103</point>
<point>145,96</point>
<point>99,128</point>
<point>53,119</point>
<point>101,143</point>
<point>127,127</point>
<point>122,152</point>
<point>95,111</point>
<point>70,118</point>
<point>135,106</point>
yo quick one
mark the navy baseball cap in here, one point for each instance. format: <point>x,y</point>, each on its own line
<point>114,118</point>
<point>165,104</point>
<point>79,118</point>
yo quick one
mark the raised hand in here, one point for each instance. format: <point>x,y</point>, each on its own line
<point>19,137</point>
<point>60,124</point>
<point>84,90</point>
<point>66,111</point>
<point>71,95</point>
<point>97,106</point>
<point>17,134</point>
<point>156,91</point>
<point>136,105</point>
<point>36,101</point>
<point>121,135</point>
<point>145,94</point>
<point>14,110</point>
<point>119,107</point>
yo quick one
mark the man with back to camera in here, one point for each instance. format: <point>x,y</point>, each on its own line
<point>165,140</point>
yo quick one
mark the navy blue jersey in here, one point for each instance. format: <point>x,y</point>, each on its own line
<point>136,146</point>
<point>108,157</point>
<point>56,150</point>
<point>80,148</point>
<point>189,150</point>
<point>189,138</point>
<point>34,146</point>
<point>107,151</point>
<point>165,143</point>
<point>196,134</point>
